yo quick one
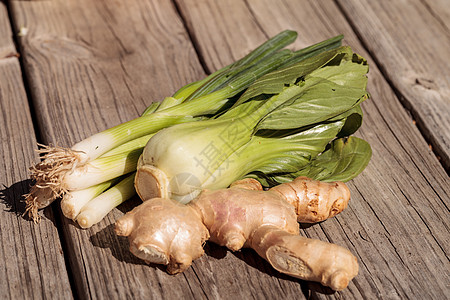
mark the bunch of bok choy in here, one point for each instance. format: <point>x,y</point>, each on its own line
<point>291,122</point>
<point>101,166</point>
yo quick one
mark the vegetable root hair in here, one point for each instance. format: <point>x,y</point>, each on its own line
<point>31,207</point>
<point>39,197</point>
<point>56,162</point>
<point>48,177</point>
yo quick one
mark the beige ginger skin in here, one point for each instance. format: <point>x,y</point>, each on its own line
<point>165,232</point>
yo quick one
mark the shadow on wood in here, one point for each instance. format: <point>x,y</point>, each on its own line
<point>252,259</point>
<point>129,204</point>
<point>107,238</point>
<point>14,200</point>
<point>12,196</point>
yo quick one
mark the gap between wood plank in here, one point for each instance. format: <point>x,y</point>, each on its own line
<point>435,147</point>
<point>192,38</point>
<point>255,19</point>
<point>433,13</point>
<point>37,132</point>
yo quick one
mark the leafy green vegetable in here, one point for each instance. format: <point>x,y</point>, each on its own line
<point>342,160</point>
<point>315,104</point>
<point>273,151</point>
<point>275,82</point>
<point>353,120</point>
<point>327,92</point>
<point>280,126</point>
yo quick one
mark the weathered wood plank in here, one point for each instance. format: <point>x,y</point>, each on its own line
<point>7,48</point>
<point>101,260</point>
<point>412,52</point>
<point>89,61</point>
<point>119,64</point>
<point>399,209</point>
<point>232,35</point>
<point>440,10</point>
<point>32,262</point>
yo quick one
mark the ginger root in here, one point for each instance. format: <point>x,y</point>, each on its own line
<point>314,200</point>
<point>165,232</point>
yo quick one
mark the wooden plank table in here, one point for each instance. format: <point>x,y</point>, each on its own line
<point>69,69</point>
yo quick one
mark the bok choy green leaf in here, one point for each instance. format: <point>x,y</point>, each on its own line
<point>342,160</point>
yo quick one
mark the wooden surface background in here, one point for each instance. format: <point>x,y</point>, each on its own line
<point>69,69</point>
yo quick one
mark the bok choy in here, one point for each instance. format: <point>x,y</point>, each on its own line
<point>280,126</point>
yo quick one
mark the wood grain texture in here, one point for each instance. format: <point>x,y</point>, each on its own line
<point>31,259</point>
<point>399,208</point>
<point>94,64</point>
<point>440,11</point>
<point>231,35</point>
<point>7,48</point>
<point>100,62</point>
<point>411,45</point>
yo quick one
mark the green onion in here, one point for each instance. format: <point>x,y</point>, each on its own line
<point>96,209</point>
<point>130,146</point>
<point>101,170</point>
<point>73,201</point>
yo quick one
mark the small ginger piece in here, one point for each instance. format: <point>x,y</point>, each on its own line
<point>305,258</point>
<point>165,232</point>
<point>314,200</point>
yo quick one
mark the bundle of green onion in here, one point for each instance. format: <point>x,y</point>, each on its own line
<point>260,91</point>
